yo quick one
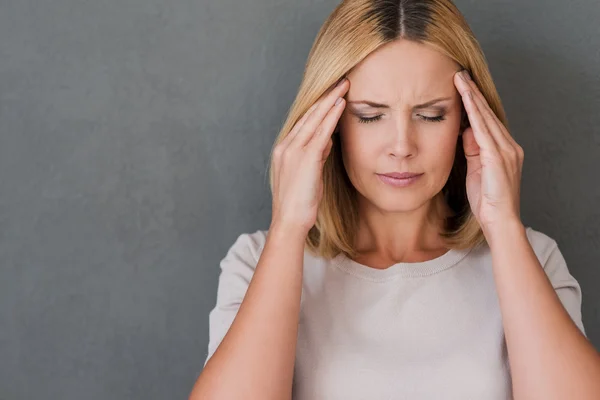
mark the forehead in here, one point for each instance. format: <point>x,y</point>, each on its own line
<point>403,69</point>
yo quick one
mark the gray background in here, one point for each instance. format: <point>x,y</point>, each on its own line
<point>134,142</point>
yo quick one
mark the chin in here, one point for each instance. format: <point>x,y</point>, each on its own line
<point>390,201</point>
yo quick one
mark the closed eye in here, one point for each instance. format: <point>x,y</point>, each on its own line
<point>366,120</point>
<point>433,119</point>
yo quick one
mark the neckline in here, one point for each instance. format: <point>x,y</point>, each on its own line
<point>401,269</point>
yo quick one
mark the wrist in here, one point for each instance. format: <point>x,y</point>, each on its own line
<point>509,228</point>
<point>287,231</point>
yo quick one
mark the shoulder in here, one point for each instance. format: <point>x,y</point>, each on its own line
<point>246,248</point>
<point>545,248</point>
<point>566,285</point>
<point>250,242</point>
<point>551,258</point>
<point>542,244</point>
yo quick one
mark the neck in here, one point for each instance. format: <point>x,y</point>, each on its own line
<point>401,235</point>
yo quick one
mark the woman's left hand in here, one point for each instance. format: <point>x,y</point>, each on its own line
<point>494,161</point>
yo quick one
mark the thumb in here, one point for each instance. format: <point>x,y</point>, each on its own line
<point>471,149</point>
<point>327,150</point>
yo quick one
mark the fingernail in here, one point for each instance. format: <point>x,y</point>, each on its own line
<point>338,101</point>
<point>465,75</point>
<point>340,82</point>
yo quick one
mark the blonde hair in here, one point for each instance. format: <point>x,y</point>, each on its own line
<point>354,30</point>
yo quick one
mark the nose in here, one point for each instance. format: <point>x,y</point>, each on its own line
<point>402,140</point>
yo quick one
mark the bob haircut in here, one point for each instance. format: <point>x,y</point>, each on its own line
<point>355,29</point>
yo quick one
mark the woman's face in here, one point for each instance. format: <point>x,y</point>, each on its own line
<point>402,136</point>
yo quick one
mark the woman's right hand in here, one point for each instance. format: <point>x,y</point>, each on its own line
<point>299,158</point>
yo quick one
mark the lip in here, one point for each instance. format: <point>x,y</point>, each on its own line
<point>401,175</point>
<point>404,179</point>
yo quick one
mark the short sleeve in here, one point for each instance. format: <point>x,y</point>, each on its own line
<point>566,286</point>
<point>237,269</point>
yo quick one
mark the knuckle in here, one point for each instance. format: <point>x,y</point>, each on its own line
<point>515,152</point>
<point>277,151</point>
<point>310,111</point>
<point>289,152</point>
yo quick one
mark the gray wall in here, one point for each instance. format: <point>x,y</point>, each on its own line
<point>134,141</point>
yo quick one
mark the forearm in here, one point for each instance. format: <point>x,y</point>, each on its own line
<point>255,360</point>
<point>549,357</point>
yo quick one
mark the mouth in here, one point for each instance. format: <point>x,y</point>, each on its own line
<point>401,175</point>
<point>402,179</point>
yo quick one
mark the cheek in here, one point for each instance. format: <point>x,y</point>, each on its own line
<point>438,141</point>
<point>359,150</point>
<point>360,144</point>
<point>440,159</point>
<point>358,156</point>
<point>443,147</point>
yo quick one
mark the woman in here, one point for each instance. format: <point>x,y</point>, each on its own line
<point>396,265</point>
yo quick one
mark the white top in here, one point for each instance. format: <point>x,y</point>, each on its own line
<point>424,330</point>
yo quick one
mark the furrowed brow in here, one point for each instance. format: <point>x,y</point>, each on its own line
<point>417,107</point>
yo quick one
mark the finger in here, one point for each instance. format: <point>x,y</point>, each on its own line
<point>492,124</point>
<point>471,150</point>
<point>470,145</point>
<point>327,150</point>
<point>497,128</point>
<point>325,129</point>
<point>511,150</point>
<point>316,117</point>
<point>290,136</point>
<point>284,143</point>
<point>477,122</point>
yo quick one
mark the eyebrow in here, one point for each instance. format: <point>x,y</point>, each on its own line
<point>418,106</point>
